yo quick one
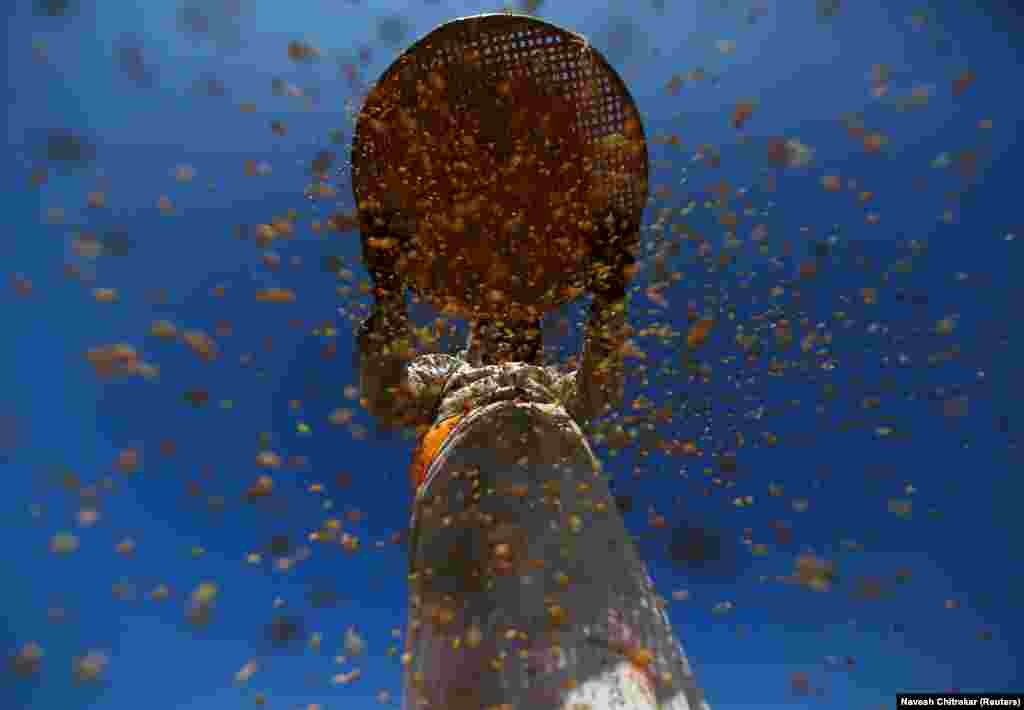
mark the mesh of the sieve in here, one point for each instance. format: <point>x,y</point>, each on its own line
<point>506,71</point>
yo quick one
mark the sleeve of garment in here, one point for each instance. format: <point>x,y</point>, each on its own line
<point>399,390</point>
<point>598,385</point>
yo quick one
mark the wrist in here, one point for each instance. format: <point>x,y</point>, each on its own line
<point>391,307</point>
<point>386,284</point>
<point>609,299</point>
<point>388,321</point>
<point>608,285</point>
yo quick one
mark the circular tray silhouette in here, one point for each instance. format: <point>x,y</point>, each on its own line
<point>489,148</point>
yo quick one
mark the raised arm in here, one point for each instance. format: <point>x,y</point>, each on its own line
<point>600,379</point>
<point>397,389</point>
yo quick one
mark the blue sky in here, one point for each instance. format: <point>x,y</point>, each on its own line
<point>803,72</point>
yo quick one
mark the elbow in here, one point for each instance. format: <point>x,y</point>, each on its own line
<point>393,407</point>
<point>388,417</point>
<point>609,401</point>
<point>382,404</point>
<point>600,396</point>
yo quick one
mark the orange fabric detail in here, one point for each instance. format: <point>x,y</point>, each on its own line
<point>428,447</point>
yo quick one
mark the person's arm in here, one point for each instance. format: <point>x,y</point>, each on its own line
<point>384,354</point>
<point>600,379</point>
<point>396,389</point>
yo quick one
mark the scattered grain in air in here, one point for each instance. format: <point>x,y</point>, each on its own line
<point>340,417</point>
<point>723,607</point>
<point>128,461</point>
<point>725,46</point>
<point>184,173</point>
<point>29,659</point>
<point>354,643</point>
<point>299,51</point>
<point>268,459</point>
<point>276,295</point>
<point>201,344</point>
<point>246,672</point>
<point>22,286</point>
<point>346,678</point>
<point>64,543</point>
<point>946,326</point>
<point>163,329</point>
<point>874,142</point>
<point>350,543</point>
<point>87,246</point>
<point>90,667</point>
<point>831,183</point>
<point>744,110</point>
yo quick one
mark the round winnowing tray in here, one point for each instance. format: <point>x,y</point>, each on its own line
<point>495,143</point>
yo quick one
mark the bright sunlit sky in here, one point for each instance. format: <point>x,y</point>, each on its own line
<point>804,72</point>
